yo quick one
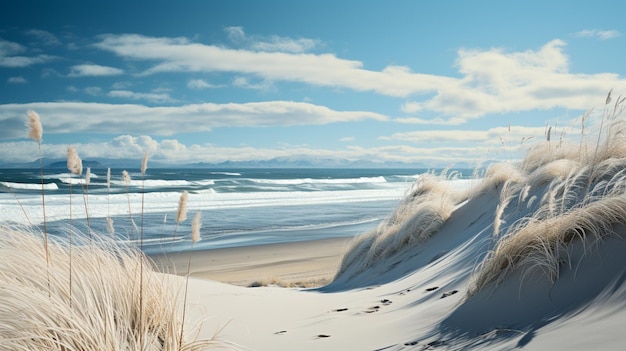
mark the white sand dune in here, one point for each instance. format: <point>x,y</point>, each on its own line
<point>403,303</point>
<point>533,257</point>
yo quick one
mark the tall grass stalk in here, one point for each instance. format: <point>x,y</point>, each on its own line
<point>105,317</point>
<point>144,167</point>
<point>75,166</point>
<point>127,179</point>
<point>181,214</point>
<point>195,237</point>
<point>35,132</point>
<point>86,198</point>
<point>110,227</point>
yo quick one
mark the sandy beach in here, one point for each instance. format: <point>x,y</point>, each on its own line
<point>295,262</point>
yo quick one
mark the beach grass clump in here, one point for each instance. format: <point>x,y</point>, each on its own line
<point>103,310</point>
<point>540,242</point>
<point>421,213</point>
<point>289,283</point>
<point>582,197</point>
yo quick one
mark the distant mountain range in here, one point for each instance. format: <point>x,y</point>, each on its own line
<point>279,162</point>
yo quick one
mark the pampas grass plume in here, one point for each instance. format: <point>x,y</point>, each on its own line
<point>144,164</point>
<point>88,176</point>
<point>182,207</point>
<point>126,177</point>
<point>74,163</point>
<point>108,178</point>
<point>195,227</point>
<point>35,130</point>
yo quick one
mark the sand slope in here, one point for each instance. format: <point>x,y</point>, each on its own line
<point>418,300</point>
<point>532,257</point>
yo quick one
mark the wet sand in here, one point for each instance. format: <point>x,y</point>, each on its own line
<point>305,261</point>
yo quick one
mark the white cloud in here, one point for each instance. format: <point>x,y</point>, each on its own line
<point>598,33</point>
<point>199,84</point>
<point>121,85</point>
<point>245,83</point>
<point>135,145</point>
<point>491,81</point>
<point>273,43</point>
<point>95,91</point>
<point>495,81</point>
<point>90,70</point>
<point>179,54</point>
<point>131,95</point>
<point>67,117</point>
<point>172,150</point>
<point>347,139</point>
<point>512,134</point>
<point>46,37</point>
<point>17,80</point>
<point>235,33</point>
<point>10,55</point>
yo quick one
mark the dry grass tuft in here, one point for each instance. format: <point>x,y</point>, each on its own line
<point>74,163</point>
<point>582,198</point>
<point>195,227</point>
<point>181,214</point>
<point>35,129</point>
<point>301,284</point>
<point>425,208</point>
<point>102,313</point>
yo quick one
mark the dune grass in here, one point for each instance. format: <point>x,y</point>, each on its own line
<point>298,283</point>
<point>103,310</point>
<point>561,193</point>
<point>427,205</point>
<point>63,298</point>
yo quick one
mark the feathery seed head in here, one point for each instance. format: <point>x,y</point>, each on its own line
<point>109,178</point>
<point>87,176</point>
<point>74,163</point>
<point>144,163</point>
<point>182,207</point>
<point>35,130</point>
<point>195,227</point>
<point>126,177</point>
<point>608,97</point>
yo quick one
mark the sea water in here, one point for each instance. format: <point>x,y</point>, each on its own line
<point>239,207</point>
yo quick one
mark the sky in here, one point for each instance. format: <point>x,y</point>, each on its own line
<point>436,82</point>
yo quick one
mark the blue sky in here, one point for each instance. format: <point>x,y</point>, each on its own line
<point>437,82</point>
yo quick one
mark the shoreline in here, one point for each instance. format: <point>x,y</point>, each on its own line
<point>299,262</point>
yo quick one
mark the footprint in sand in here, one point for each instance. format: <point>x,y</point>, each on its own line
<point>449,293</point>
<point>372,309</point>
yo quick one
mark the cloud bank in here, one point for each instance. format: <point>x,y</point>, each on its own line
<point>491,81</point>
<point>81,117</point>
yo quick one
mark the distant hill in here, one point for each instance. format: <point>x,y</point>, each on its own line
<point>279,162</point>
<point>294,162</point>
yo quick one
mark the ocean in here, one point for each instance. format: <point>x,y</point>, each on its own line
<point>239,207</point>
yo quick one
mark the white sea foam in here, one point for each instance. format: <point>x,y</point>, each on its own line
<point>158,183</point>
<point>30,186</point>
<point>234,174</point>
<point>360,180</point>
<point>102,205</point>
